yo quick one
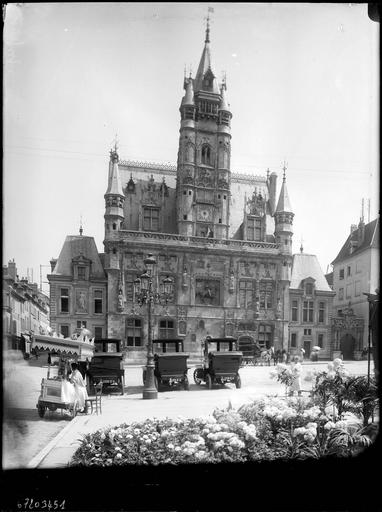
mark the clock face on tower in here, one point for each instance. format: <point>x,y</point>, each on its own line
<point>204,214</point>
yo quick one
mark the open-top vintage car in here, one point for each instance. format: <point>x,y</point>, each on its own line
<point>221,362</point>
<point>106,366</point>
<point>56,390</point>
<point>170,363</point>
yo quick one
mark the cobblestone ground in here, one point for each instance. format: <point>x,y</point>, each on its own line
<point>25,434</point>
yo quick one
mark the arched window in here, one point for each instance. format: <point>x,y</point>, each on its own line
<point>114,225</point>
<point>206,155</point>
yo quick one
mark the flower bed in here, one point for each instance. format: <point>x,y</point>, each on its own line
<point>333,422</point>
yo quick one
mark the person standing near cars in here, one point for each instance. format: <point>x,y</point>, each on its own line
<point>302,353</point>
<point>79,385</point>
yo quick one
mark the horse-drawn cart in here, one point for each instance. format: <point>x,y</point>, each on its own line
<point>56,390</point>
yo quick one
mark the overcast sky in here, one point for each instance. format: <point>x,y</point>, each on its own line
<point>302,82</point>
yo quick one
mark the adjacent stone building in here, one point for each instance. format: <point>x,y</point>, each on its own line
<point>25,309</point>
<point>78,287</point>
<point>311,303</point>
<point>355,273</point>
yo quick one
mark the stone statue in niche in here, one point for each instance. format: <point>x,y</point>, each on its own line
<point>231,282</point>
<point>81,301</point>
<point>207,292</point>
<point>120,299</point>
<point>184,275</point>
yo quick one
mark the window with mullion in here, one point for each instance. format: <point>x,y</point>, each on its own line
<point>253,229</point>
<point>64,300</point>
<point>150,219</point>
<point>321,312</point>
<point>294,310</point>
<point>134,332</point>
<point>167,329</point>
<point>246,290</point>
<point>307,311</point>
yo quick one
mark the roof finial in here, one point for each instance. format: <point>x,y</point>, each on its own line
<point>81,230</point>
<point>116,143</point>
<point>268,174</point>
<point>284,169</point>
<point>301,246</point>
<point>207,40</point>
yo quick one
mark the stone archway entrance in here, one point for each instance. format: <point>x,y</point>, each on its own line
<point>347,346</point>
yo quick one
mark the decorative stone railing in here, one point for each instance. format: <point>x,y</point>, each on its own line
<point>236,177</point>
<point>194,240</point>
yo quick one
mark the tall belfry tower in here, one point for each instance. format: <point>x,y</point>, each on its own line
<point>203,169</point>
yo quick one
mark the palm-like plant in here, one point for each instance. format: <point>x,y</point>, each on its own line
<point>364,395</point>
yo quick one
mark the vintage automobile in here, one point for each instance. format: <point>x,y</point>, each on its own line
<point>170,364</point>
<point>106,366</point>
<point>56,391</point>
<point>221,362</point>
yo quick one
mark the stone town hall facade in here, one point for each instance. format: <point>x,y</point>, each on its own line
<point>224,238</point>
<point>221,237</point>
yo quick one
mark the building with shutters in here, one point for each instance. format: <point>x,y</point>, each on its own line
<point>355,274</point>
<point>25,309</point>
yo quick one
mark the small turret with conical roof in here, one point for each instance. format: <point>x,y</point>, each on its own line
<point>114,196</point>
<point>284,219</point>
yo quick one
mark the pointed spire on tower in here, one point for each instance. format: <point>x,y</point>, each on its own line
<point>114,185</point>
<point>207,39</point>
<point>284,202</point>
<point>205,64</point>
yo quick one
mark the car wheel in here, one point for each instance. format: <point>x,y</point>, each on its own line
<point>186,384</point>
<point>209,381</point>
<point>197,379</point>
<point>41,410</point>
<point>238,381</point>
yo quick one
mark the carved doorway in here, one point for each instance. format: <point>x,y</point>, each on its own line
<point>347,345</point>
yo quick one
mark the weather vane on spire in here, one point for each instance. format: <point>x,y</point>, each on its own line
<point>81,230</point>
<point>284,169</point>
<point>210,10</point>
<point>116,143</point>
<point>301,246</point>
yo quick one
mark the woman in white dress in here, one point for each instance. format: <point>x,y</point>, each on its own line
<point>79,386</point>
<point>296,372</point>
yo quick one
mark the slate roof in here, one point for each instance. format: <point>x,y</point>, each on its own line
<point>283,204</point>
<point>307,265</point>
<point>370,239</point>
<point>329,278</point>
<point>74,246</point>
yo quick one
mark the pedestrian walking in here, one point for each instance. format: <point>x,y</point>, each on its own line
<point>284,355</point>
<point>302,353</point>
<point>296,372</point>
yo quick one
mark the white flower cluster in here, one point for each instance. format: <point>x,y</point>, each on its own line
<point>279,413</point>
<point>312,413</point>
<point>309,432</point>
<point>249,430</point>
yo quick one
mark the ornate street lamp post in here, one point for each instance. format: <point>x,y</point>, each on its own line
<point>145,293</point>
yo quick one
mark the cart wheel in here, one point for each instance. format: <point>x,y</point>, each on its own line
<point>186,384</point>
<point>209,381</point>
<point>41,410</point>
<point>197,379</point>
<point>237,381</point>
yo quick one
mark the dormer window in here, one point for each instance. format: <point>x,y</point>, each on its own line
<point>309,289</point>
<point>81,273</point>
<point>150,219</point>
<point>253,228</point>
<point>81,268</point>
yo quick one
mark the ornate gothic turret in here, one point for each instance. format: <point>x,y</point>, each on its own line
<point>284,219</point>
<point>114,197</point>
<point>203,173</point>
